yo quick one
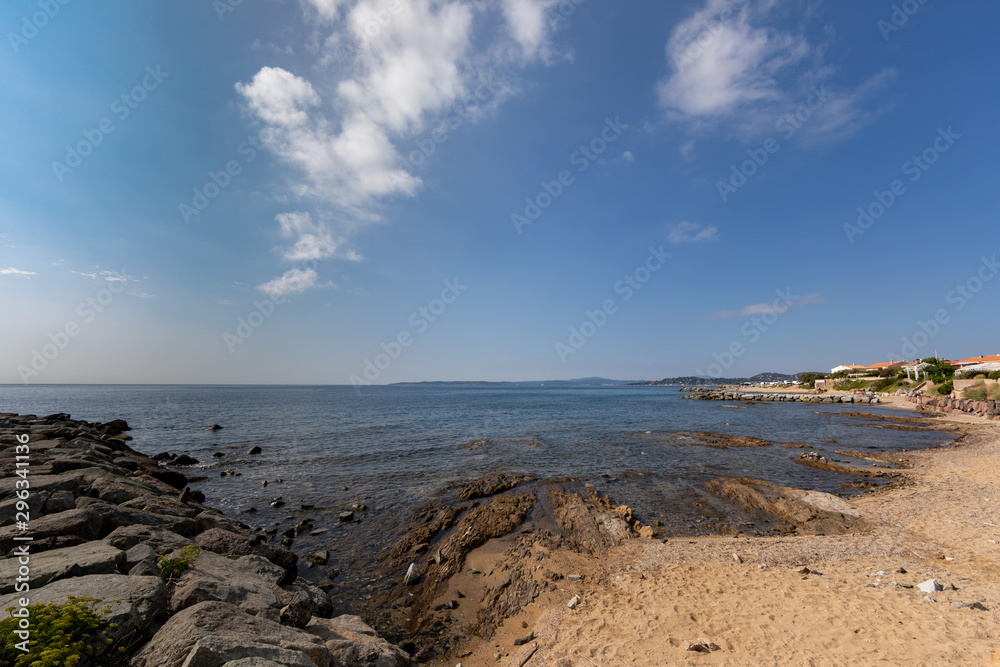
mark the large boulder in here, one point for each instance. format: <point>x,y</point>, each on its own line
<point>172,644</point>
<point>162,540</point>
<point>352,643</point>
<point>82,522</point>
<point>116,516</point>
<point>218,651</point>
<point>216,578</point>
<point>88,558</point>
<point>211,519</point>
<point>131,605</point>
<point>228,543</point>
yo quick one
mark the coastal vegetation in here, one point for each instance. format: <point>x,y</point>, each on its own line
<point>62,635</point>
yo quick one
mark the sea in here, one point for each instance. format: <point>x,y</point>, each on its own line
<point>396,448</point>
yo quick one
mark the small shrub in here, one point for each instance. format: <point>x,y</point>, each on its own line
<point>171,568</point>
<point>62,635</point>
<point>993,392</point>
<point>976,392</point>
<point>883,384</point>
<point>995,375</point>
<point>946,388</point>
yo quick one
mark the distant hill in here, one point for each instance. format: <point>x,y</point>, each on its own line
<point>592,381</point>
<point>694,381</point>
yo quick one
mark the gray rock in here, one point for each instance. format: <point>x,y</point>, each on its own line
<point>171,645</point>
<point>412,575</point>
<point>116,516</point>
<point>166,505</point>
<point>42,484</point>
<point>352,643</point>
<point>346,517</point>
<point>253,451</point>
<point>303,601</point>
<point>160,539</point>
<point>211,519</point>
<point>83,523</point>
<point>243,543</point>
<point>318,557</point>
<point>216,578</point>
<point>253,662</point>
<point>217,651</point>
<point>133,604</point>
<point>87,558</point>
<point>139,553</point>
<point>929,586</point>
<point>146,568</point>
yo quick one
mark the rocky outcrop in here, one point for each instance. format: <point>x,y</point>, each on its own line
<point>352,643</point>
<point>240,603</point>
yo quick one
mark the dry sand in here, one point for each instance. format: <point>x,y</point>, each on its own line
<point>641,603</point>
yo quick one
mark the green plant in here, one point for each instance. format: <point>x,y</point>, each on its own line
<point>62,635</point>
<point>976,392</point>
<point>993,392</point>
<point>945,388</point>
<point>846,385</point>
<point>171,568</point>
<point>809,379</point>
<point>995,375</point>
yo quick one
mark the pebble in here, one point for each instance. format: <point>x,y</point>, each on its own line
<point>521,641</point>
<point>254,450</point>
<point>346,517</point>
<point>412,575</point>
<point>573,602</point>
<point>736,557</point>
<point>574,577</point>
<point>930,586</point>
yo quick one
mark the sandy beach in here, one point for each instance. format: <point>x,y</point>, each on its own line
<point>806,600</point>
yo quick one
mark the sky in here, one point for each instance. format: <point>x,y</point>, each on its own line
<point>376,191</point>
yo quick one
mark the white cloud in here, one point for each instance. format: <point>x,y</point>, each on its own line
<point>312,240</point>
<point>279,98</point>
<point>527,23</point>
<point>294,281</point>
<point>763,308</point>
<point>16,272</point>
<point>730,64</point>
<point>327,9</point>
<point>692,232</point>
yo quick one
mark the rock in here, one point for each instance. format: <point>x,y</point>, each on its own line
<point>83,523</point>
<point>318,557</point>
<point>304,526</point>
<point>253,662</point>
<point>701,646</point>
<point>228,543</point>
<point>213,427</point>
<point>352,643</point>
<point>139,553</point>
<point>88,558</point>
<point>930,586</point>
<point>134,604</point>
<point>346,517</point>
<point>117,516</point>
<point>277,502</point>
<point>412,575</point>
<point>177,637</point>
<point>646,532</point>
<point>184,460</point>
<point>161,540</point>
<point>213,651</point>
<point>736,557</point>
<point>253,451</point>
<point>358,507</point>
<point>171,477</point>
<point>146,568</point>
<point>573,602</point>
<point>212,519</point>
<point>217,578</point>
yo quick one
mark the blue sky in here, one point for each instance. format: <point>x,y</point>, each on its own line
<point>328,191</point>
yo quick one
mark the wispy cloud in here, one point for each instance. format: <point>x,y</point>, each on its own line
<point>692,232</point>
<point>294,281</point>
<point>11,271</point>
<point>763,308</point>
<point>731,65</point>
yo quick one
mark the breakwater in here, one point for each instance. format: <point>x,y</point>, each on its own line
<point>716,394</point>
<point>986,409</point>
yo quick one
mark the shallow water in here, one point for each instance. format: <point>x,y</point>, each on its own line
<point>393,448</point>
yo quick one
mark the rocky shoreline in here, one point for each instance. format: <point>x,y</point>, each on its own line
<point>100,516</point>
<point>729,394</point>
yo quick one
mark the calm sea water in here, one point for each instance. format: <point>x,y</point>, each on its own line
<point>393,448</point>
